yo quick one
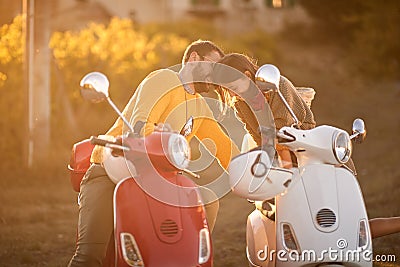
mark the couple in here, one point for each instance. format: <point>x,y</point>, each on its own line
<point>162,98</point>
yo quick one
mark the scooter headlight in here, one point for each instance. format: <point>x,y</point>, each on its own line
<point>342,147</point>
<point>178,151</point>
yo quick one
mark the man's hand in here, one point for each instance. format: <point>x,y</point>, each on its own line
<point>163,127</point>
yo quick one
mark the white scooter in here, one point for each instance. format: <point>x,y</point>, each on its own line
<point>319,216</point>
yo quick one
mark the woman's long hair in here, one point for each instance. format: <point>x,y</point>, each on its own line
<point>240,64</point>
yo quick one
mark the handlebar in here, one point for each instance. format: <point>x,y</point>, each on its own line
<point>192,174</point>
<point>102,142</point>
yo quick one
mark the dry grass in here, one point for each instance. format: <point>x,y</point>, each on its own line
<point>37,220</point>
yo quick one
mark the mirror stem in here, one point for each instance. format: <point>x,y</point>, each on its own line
<point>296,120</point>
<point>354,135</point>
<point>120,114</point>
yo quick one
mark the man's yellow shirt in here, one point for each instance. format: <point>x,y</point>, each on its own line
<point>161,98</point>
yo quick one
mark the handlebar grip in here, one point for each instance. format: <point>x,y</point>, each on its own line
<point>100,142</point>
<point>110,144</point>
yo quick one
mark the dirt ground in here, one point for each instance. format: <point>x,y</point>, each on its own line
<point>38,219</point>
<point>38,212</point>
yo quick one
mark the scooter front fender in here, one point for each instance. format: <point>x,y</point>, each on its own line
<point>260,238</point>
<point>165,235</point>
<point>325,210</point>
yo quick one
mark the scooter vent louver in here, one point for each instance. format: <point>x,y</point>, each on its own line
<point>169,228</point>
<point>326,218</point>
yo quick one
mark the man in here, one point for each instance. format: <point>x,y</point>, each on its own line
<point>161,98</point>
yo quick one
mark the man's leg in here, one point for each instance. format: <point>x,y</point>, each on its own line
<point>95,222</point>
<point>211,206</point>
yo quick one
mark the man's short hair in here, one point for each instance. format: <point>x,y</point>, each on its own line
<point>202,48</point>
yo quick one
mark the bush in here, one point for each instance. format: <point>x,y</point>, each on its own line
<point>367,29</point>
<point>118,49</point>
<point>125,52</point>
<point>12,96</point>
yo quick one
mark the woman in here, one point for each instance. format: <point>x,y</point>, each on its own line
<point>242,85</point>
<point>282,116</point>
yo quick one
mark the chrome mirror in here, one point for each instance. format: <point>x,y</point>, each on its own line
<point>188,127</point>
<point>94,87</point>
<point>359,131</point>
<point>268,77</point>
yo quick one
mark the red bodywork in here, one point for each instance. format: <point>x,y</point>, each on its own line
<point>160,208</point>
<point>79,162</point>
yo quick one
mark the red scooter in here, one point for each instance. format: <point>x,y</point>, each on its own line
<point>159,217</point>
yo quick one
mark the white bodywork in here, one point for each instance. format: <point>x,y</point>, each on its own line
<point>247,143</point>
<point>323,208</point>
<point>117,168</point>
<point>252,176</point>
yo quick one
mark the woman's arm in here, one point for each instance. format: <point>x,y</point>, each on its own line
<point>282,116</point>
<point>384,226</point>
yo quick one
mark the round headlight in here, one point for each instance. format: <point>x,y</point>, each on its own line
<point>342,146</point>
<point>178,150</point>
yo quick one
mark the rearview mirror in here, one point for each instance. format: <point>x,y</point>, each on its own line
<point>268,76</point>
<point>188,127</point>
<point>94,87</point>
<point>359,131</point>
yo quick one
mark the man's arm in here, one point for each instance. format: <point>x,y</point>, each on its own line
<point>153,90</point>
<point>151,99</point>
